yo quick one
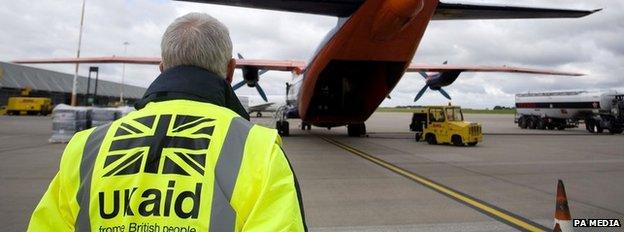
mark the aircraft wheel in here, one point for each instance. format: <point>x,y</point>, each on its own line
<point>356,129</point>
<point>431,139</point>
<point>282,128</point>
<point>306,126</point>
<point>259,115</point>
<point>457,140</point>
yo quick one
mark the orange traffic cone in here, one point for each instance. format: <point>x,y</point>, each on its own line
<point>563,220</point>
<point>557,228</point>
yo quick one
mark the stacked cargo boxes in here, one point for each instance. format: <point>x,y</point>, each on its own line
<point>101,116</point>
<point>67,120</point>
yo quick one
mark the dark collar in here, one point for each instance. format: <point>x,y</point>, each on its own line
<point>195,84</point>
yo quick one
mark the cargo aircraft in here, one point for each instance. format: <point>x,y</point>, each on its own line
<point>362,59</point>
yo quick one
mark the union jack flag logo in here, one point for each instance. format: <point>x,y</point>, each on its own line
<point>160,144</point>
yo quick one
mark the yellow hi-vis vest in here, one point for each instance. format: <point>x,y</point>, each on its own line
<point>178,166</point>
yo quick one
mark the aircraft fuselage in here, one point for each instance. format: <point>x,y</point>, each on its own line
<point>362,60</point>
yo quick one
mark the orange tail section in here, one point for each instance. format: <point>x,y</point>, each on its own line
<point>563,219</point>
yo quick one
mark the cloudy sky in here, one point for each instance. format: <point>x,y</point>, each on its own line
<point>592,45</point>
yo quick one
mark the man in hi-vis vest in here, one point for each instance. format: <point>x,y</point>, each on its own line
<point>188,160</point>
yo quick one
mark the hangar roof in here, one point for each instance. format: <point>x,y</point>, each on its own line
<point>20,76</point>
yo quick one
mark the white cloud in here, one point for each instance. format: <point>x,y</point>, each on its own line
<point>48,28</point>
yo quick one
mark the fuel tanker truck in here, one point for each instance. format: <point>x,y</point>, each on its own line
<point>599,110</point>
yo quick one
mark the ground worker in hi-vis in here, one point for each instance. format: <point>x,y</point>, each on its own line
<point>188,160</point>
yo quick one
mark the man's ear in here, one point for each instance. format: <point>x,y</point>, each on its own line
<point>161,67</point>
<point>230,71</point>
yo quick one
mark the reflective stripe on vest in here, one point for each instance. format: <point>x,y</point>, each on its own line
<point>222,216</point>
<point>89,154</point>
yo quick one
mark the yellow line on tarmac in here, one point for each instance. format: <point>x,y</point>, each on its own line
<point>512,220</point>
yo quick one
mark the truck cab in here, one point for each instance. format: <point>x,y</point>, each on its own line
<point>444,125</point>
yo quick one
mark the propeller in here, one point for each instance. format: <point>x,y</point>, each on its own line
<point>262,94</point>
<point>427,86</point>
<point>251,76</point>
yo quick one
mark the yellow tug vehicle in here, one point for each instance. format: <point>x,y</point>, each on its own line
<point>444,125</point>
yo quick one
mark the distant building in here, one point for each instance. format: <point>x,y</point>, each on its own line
<point>57,86</point>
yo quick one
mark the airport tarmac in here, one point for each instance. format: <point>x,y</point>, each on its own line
<point>513,171</point>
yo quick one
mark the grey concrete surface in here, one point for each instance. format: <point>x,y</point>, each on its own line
<point>513,169</point>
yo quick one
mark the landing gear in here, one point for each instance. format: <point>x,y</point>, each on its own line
<point>356,129</point>
<point>283,128</point>
<point>306,126</point>
<point>281,124</point>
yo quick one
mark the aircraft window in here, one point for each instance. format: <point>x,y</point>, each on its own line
<point>436,115</point>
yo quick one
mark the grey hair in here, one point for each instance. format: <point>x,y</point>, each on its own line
<point>197,39</point>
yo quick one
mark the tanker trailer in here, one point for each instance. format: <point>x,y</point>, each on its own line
<point>599,110</point>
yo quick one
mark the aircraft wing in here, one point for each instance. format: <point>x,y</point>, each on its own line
<point>260,107</point>
<point>483,68</point>
<point>445,11</point>
<point>275,65</point>
<point>93,60</point>
<point>455,11</point>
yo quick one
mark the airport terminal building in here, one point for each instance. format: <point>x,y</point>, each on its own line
<point>58,86</point>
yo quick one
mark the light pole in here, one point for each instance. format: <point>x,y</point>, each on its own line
<point>75,81</point>
<point>123,74</point>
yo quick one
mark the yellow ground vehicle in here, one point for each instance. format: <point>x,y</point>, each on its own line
<point>445,124</point>
<point>29,105</point>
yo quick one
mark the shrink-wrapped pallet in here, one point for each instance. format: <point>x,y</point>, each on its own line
<point>67,120</point>
<point>101,116</point>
